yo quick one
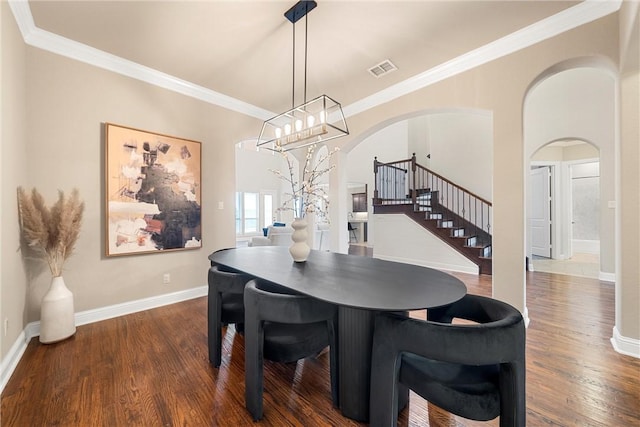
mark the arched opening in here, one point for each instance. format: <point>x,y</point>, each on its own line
<point>456,143</point>
<point>258,191</point>
<point>264,191</point>
<point>564,209</point>
<point>569,137</point>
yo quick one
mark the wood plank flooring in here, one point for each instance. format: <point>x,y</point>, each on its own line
<point>151,369</point>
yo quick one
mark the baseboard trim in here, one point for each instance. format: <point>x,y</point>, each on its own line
<point>436,265</point>
<point>625,345</point>
<point>525,316</point>
<point>607,277</point>
<point>11,360</point>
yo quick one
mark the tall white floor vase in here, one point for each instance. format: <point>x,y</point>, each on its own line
<point>300,249</point>
<point>57,321</point>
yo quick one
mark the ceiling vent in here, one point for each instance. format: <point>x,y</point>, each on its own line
<point>382,68</point>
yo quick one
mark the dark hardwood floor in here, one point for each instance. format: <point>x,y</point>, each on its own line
<point>151,369</point>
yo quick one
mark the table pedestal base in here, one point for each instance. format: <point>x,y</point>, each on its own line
<point>355,341</point>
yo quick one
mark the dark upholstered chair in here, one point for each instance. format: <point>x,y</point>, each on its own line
<point>284,327</point>
<point>225,306</point>
<point>473,370</point>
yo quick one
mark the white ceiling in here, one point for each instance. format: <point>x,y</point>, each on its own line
<point>243,49</point>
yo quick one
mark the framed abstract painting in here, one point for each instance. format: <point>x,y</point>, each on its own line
<point>153,192</point>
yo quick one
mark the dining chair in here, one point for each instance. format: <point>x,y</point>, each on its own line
<point>225,306</point>
<point>284,327</point>
<point>474,369</point>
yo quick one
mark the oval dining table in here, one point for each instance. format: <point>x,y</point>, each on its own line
<point>361,287</point>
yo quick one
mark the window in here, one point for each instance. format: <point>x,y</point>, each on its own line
<point>253,211</point>
<point>267,209</point>
<point>238,214</point>
<point>250,210</point>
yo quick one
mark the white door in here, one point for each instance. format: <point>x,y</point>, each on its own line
<point>540,205</point>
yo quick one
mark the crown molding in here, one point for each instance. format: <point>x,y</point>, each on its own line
<point>583,13</point>
<point>63,46</point>
<point>568,19</point>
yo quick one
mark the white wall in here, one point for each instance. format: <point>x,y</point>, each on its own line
<point>462,149</point>
<point>252,170</point>
<point>388,145</point>
<point>419,246</point>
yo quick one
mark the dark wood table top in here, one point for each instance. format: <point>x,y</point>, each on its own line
<point>347,280</point>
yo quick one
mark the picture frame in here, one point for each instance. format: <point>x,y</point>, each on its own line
<point>152,192</point>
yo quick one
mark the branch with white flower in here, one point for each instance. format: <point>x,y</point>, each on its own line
<point>308,196</point>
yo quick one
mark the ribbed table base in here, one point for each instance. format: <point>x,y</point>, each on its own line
<point>355,341</point>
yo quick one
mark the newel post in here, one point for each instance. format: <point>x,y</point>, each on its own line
<point>376,198</point>
<point>412,183</point>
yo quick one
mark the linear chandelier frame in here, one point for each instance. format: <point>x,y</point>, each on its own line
<point>311,122</point>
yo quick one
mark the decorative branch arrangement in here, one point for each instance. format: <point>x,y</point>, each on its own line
<point>51,232</point>
<point>307,196</point>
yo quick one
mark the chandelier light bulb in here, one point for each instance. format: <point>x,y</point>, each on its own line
<point>310,120</point>
<point>287,129</point>
<point>298,125</point>
<point>278,132</point>
<point>322,116</point>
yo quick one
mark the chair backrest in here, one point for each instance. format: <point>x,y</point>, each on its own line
<point>498,331</point>
<point>274,303</point>
<point>284,327</point>
<point>495,342</point>
<point>225,304</point>
<point>226,281</point>
<point>497,336</point>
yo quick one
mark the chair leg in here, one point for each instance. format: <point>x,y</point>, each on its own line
<point>214,332</point>
<point>253,368</point>
<point>383,404</point>
<point>512,401</point>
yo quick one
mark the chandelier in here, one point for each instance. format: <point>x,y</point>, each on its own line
<point>318,120</point>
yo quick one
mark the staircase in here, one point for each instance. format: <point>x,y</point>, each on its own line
<point>455,215</point>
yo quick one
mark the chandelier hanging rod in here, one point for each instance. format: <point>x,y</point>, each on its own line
<point>318,120</point>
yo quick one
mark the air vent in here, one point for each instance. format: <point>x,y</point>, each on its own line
<point>382,68</point>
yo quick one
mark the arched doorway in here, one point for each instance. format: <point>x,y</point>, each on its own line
<point>454,142</point>
<point>569,119</point>
<point>563,209</point>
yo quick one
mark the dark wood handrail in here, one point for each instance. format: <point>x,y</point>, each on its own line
<point>377,164</point>
<point>465,208</point>
<point>454,184</point>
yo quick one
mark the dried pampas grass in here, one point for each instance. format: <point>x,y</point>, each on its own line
<point>51,232</point>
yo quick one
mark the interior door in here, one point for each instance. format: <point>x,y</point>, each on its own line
<point>540,204</point>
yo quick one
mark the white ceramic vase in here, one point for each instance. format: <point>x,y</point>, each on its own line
<point>57,321</point>
<point>299,250</point>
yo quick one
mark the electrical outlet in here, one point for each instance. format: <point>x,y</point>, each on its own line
<point>6,325</point>
<point>166,279</point>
